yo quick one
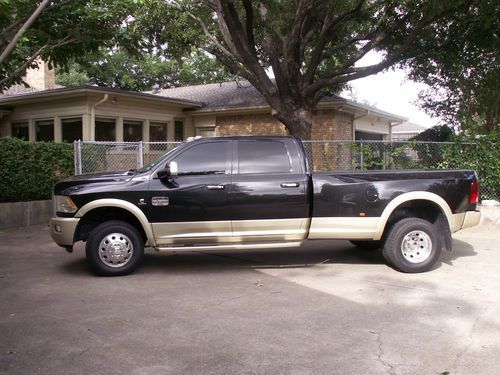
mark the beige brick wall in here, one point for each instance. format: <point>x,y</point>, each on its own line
<point>249,124</point>
<point>328,125</point>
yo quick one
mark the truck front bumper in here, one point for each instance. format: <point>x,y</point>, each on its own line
<point>471,219</point>
<point>62,230</point>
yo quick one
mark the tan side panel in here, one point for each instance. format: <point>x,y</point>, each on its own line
<point>457,222</point>
<point>270,230</point>
<point>343,227</point>
<point>223,232</point>
<point>192,232</point>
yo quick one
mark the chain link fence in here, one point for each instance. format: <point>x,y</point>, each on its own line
<point>322,156</point>
<point>93,157</point>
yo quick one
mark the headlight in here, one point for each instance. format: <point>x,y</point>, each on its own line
<point>64,204</point>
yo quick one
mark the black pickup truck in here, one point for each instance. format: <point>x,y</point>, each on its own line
<point>258,192</point>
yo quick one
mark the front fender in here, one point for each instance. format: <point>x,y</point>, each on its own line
<point>119,203</point>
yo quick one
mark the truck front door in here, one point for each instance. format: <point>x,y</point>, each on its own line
<point>192,207</point>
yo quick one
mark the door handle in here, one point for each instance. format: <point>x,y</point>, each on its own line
<point>289,184</point>
<point>215,187</point>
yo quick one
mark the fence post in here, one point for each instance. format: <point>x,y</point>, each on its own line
<point>140,156</point>
<point>361,159</point>
<point>77,147</point>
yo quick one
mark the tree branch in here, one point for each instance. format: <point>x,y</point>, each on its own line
<point>329,26</point>
<point>20,69</point>
<point>205,29</point>
<point>6,52</point>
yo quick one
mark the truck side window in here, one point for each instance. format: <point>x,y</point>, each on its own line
<point>263,157</point>
<point>205,158</point>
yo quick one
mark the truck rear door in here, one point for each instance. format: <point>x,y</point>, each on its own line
<point>269,191</point>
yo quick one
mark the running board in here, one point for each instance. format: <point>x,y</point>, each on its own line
<point>240,246</point>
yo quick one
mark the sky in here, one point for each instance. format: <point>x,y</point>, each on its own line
<point>390,91</point>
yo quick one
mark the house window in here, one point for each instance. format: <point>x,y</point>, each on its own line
<point>44,130</point>
<point>71,129</point>
<point>179,130</point>
<point>132,131</point>
<point>364,136</point>
<point>21,130</point>
<point>158,131</point>
<point>105,129</point>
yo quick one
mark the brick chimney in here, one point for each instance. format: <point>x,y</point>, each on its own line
<point>41,78</point>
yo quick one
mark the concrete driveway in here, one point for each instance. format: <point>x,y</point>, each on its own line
<point>326,308</point>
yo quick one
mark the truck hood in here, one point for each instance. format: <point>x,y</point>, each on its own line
<point>74,183</point>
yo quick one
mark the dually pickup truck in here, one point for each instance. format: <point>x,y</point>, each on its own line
<point>258,192</point>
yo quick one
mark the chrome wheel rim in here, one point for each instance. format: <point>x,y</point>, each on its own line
<point>416,246</point>
<point>115,250</point>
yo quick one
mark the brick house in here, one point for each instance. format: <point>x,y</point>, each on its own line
<point>47,112</point>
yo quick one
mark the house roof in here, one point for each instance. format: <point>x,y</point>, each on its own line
<point>241,95</point>
<point>19,89</point>
<point>201,99</point>
<point>408,127</point>
<point>225,95</point>
<point>15,95</point>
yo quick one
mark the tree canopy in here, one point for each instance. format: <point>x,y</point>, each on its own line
<point>120,69</point>
<point>294,52</point>
<point>464,74</point>
<point>313,47</point>
<point>61,30</point>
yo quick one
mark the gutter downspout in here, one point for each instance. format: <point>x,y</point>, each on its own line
<point>390,128</point>
<point>92,115</point>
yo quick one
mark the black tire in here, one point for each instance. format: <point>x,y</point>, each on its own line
<point>114,248</point>
<point>412,245</point>
<point>367,245</point>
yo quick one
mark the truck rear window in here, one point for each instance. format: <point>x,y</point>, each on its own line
<point>263,157</point>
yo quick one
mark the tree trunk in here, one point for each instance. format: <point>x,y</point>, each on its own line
<point>298,121</point>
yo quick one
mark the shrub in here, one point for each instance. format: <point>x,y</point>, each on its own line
<point>28,170</point>
<point>483,156</point>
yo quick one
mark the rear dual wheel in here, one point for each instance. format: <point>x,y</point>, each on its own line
<point>412,245</point>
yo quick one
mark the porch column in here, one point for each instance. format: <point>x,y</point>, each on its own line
<point>119,129</point>
<point>170,130</point>
<point>32,130</point>
<point>145,130</point>
<point>57,129</point>
<point>88,131</point>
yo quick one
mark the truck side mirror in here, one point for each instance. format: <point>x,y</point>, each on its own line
<point>169,170</point>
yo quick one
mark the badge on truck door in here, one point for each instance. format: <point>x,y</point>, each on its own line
<point>160,201</point>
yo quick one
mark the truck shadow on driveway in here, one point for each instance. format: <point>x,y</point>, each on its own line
<point>308,255</point>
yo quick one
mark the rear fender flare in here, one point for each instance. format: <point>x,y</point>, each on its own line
<point>406,197</point>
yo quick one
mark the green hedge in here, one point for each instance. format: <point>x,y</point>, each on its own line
<point>28,170</point>
<point>484,157</point>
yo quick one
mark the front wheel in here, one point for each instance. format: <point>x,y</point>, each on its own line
<point>412,245</point>
<point>114,248</point>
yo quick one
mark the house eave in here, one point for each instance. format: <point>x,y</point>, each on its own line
<point>358,108</point>
<point>73,92</point>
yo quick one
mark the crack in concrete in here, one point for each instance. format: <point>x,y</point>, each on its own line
<point>471,341</point>
<point>381,353</point>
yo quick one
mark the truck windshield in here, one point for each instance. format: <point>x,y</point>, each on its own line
<point>147,167</point>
